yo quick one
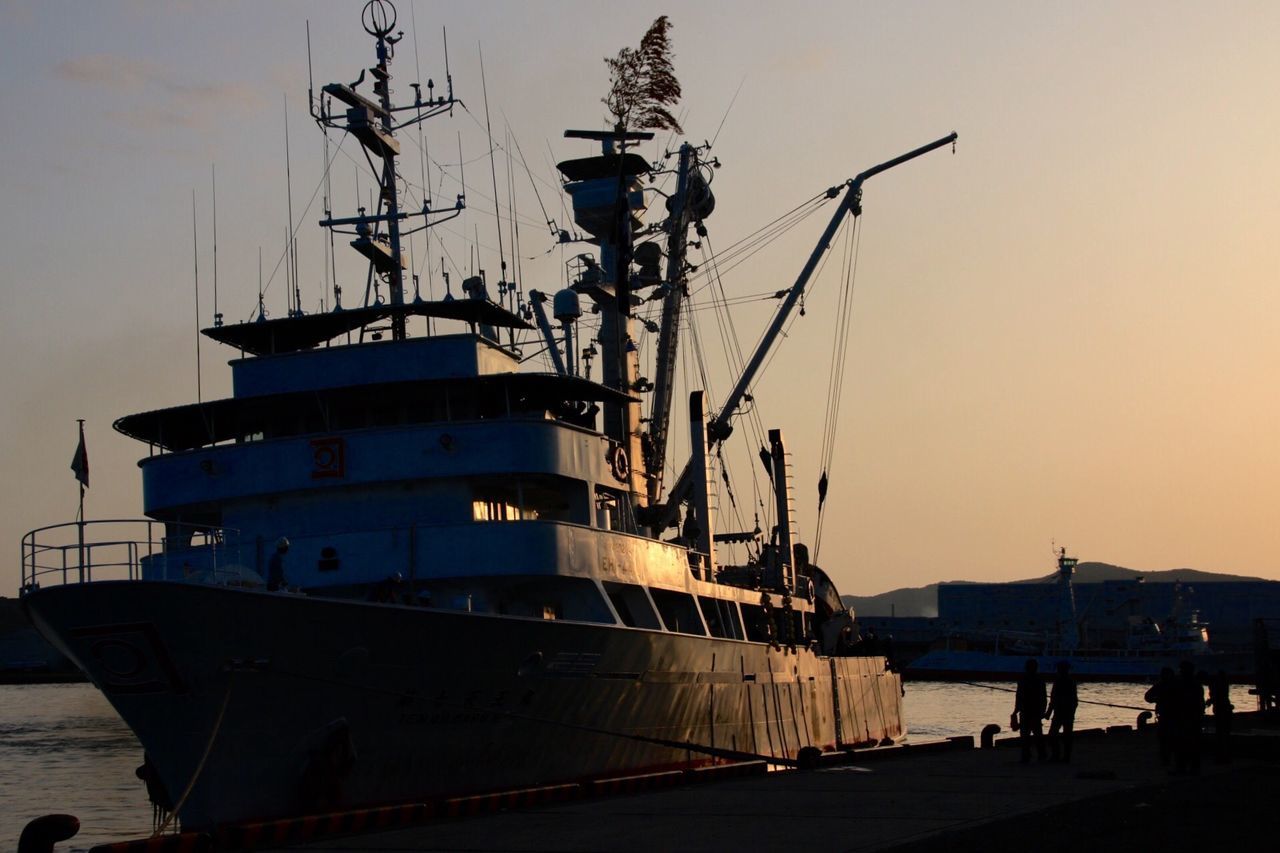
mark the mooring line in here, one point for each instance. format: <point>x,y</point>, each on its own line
<point>1081,701</point>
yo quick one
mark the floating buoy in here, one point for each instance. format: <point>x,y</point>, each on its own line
<point>41,834</point>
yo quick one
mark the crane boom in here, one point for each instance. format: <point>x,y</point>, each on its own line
<point>719,429</point>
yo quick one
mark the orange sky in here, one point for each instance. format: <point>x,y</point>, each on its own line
<point>1066,331</point>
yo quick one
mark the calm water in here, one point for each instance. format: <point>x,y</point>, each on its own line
<point>63,749</point>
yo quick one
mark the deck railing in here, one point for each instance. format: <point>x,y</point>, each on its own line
<point>123,549</point>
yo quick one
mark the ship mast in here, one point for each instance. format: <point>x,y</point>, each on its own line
<point>373,123</point>
<point>682,214</point>
<point>606,197</point>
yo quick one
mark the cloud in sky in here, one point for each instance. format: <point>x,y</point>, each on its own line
<point>182,104</point>
<point>108,71</point>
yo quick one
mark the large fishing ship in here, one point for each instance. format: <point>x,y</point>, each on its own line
<point>397,564</point>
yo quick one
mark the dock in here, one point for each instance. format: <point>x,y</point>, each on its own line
<point>946,795</point>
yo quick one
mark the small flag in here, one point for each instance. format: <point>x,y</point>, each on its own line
<point>80,462</point>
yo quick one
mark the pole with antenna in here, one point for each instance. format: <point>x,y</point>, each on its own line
<point>262,307</point>
<point>217,317</point>
<point>195,256</point>
<point>290,245</point>
<point>493,174</point>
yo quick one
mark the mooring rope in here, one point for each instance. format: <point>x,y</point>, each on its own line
<point>1082,701</point>
<point>217,726</point>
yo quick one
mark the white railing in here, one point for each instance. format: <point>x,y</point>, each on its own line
<point>123,549</point>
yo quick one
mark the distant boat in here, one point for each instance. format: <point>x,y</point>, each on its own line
<point>1150,646</point>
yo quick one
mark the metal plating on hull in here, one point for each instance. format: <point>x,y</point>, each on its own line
<point>382,703</point>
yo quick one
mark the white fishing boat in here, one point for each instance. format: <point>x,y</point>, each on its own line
<point>397,564</point>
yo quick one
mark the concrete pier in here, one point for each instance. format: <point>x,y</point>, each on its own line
<point>941,796</point>
<point>948,796</point>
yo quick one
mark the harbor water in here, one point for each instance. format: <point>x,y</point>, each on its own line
<point>63,749</point>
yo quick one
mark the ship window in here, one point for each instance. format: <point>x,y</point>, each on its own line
<point>613,510</point>
<point>722,617</point>
<point>632,604</point>
<point>607,516</point>
<point>678,611</point>
<point>528,499</point>
<point>493,506</point>
<point>757,624</point>
<point>551,597</point>
<point>574,599</point>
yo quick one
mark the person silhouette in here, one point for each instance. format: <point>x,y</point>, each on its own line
<point>1220,700</point>
<point>275,566</point>
<point>1063,701</point>
<point>1190,702</point>
<point>1028,708</point>
<point>1164,693</point>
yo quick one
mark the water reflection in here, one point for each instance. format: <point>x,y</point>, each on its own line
<point>63,749</point>
<point>941,709</point>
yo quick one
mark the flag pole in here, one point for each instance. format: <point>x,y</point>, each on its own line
<point>80,514</point>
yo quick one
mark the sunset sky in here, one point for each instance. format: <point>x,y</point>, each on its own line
<point>1068,331</point>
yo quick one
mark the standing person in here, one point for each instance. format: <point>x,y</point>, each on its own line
<point>1028,707</point>
<point>1063,702</point>
<point>1164,693</point>
<point>1190,702</point>
<point>275,566</point>
<point>1220,700</point>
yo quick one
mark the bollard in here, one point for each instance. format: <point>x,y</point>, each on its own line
<point>1144,720</point>
<point>41,834</point>
<point>989,733</point>
<point>808,758</point>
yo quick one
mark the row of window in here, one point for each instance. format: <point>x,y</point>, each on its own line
<point>579,599</point>
<point>549,498</point>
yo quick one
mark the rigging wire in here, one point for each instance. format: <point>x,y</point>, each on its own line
<point>264,288</point>
<point>835,379</point>
<point>551,224</point>
<point>515,225</point>
<point>1081,701</point>
<point>737,363</point>
<point>493,174</point>
<point>728,109</point>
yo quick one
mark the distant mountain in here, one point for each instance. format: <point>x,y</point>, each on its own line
<point>923,600</point>
<point>1099,572</point>
<point>913,601</point>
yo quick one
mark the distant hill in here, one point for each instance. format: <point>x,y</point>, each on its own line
<point>923,600</point>
<point>912,601</point>
<point>1099,572</point>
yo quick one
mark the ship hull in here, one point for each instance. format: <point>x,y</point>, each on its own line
<point>279,704</point>
<point>985,666</point>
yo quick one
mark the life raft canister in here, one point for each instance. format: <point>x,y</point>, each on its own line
<point>619,465</point>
